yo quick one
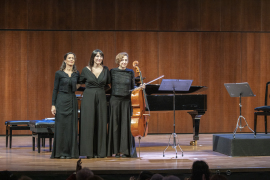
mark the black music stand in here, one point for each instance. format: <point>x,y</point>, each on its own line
<point>174,85</point>
<point>239,90</point>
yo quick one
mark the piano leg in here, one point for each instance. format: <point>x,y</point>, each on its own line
<point>196,117</point>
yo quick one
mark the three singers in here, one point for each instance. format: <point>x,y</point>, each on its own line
<point>96,141</point>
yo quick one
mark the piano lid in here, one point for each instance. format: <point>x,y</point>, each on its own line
<point>153,89</point>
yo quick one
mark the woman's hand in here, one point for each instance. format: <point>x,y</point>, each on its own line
<point>79,165</point>
<point>142,86</point>
<point>53,110</point>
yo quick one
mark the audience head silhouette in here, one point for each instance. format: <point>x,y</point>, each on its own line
<point>157,177</point>
<point>84,174</point>
<point>145,175</point>
<point>200,171</point>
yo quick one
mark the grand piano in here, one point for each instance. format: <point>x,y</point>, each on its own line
<point>184,100</point>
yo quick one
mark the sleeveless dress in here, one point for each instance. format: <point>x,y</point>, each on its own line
<point>93,126</point>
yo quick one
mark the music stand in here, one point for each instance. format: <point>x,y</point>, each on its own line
<point>239,90</point>
<point>174,85</point>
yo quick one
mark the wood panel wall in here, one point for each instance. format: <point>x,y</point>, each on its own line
<point>210,41</point>
<point>155,15</point>
<point>13,70</point>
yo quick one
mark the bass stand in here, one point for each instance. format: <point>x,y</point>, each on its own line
<point>240,90</point>
<point>180,85</point>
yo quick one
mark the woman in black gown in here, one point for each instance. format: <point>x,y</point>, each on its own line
<point>93,126</point>
<point>65,109</point>
<point>120,139</point>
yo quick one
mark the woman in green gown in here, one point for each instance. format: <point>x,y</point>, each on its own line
<point>65,109</point>
<point>93,126</point>
<point>120,139</point>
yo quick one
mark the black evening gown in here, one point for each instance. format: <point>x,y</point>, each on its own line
<point>66,117</point>
<point>93,126</point>
<point>120,139</point>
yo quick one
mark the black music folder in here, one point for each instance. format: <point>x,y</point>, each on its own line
<point>237,89</point>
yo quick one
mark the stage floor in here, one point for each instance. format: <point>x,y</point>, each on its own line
<point>21,158</point>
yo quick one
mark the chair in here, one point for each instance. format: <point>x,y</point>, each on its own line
<point>15,125</point>
<point>262,111</point>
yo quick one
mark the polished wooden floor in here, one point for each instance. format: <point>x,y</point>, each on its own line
<point>21,157</point>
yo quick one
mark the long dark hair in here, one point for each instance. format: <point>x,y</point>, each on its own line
<point>198,169</point>
<point>63,66</point>
<point>94,53</point>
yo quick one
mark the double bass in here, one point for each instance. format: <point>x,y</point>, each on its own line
<point>139,120</point>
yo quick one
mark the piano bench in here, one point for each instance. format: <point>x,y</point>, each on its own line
<point>15,125</point>
<point>42,129</point>
<point>41,136</point>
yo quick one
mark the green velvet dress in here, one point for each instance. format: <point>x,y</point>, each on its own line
<point>66,117</point>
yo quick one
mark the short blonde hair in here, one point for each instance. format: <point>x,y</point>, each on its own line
<point>120,56</point>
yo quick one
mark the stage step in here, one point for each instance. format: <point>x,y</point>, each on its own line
<point>242,145</point>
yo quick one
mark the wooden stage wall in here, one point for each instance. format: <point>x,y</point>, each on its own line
<point>210,41</point>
